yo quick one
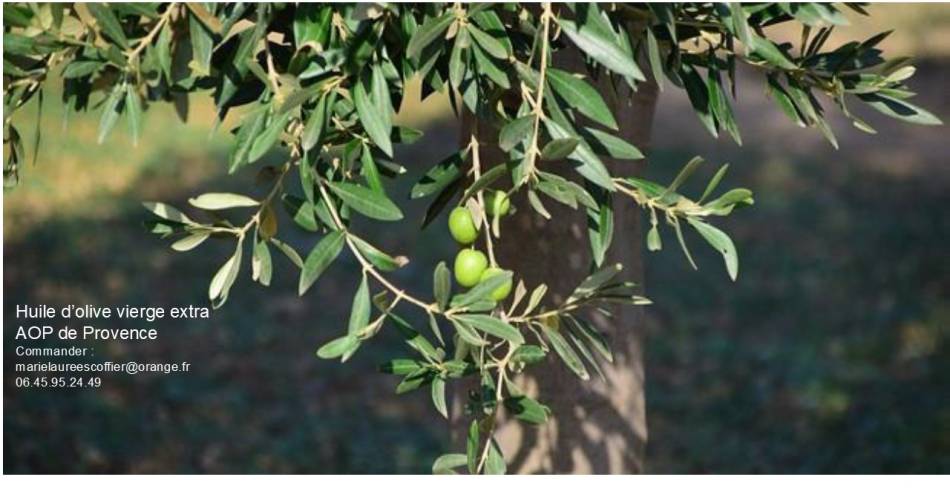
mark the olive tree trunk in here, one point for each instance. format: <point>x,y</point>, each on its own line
<point>598,427</point>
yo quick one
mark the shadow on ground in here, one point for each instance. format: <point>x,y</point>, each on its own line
<point>257,399</point>
<point>830,354</point>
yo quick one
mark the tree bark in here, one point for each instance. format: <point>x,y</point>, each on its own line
<point>598,427</point>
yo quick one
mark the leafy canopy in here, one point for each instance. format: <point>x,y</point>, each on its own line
<point>320,83</point>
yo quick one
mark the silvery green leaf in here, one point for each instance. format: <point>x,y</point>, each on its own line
<point>492,326</point>
<point>319,259</point>
<point>366,201</point>
<point>442,284</point>
<point>721,242</point>
<point>338,347</point>
<point>360,309</point>
<point>191,241</point>
<point>222,201</point>
<point>438,396</point>
<point>565,351</point>
<point>446,463</point>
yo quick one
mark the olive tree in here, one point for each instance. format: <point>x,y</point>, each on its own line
<point>557,101</point>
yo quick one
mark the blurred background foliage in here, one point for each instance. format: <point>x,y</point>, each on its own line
<point>830,354</point>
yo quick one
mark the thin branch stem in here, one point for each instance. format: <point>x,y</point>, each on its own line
<point>278,186</point>
<point>476,173</point>
<point>683,208</point>
<point>368,267</point>
<point>538,111</point>
<point>502,366</point>
<point>147,40</point>
<point>271,69</point>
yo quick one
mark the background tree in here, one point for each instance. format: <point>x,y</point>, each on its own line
<point>322,82</point>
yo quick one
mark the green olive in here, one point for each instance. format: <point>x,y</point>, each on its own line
<point>462,226</point>
<point>501,292</point>
<point>469,266</point>
<point>498,203</point>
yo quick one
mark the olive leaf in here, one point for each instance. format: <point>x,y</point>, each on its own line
<point>319,259</point>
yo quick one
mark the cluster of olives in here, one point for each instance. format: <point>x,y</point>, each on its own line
<point>471,265</point>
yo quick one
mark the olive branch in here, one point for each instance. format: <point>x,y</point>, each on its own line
<point>320,84</point>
